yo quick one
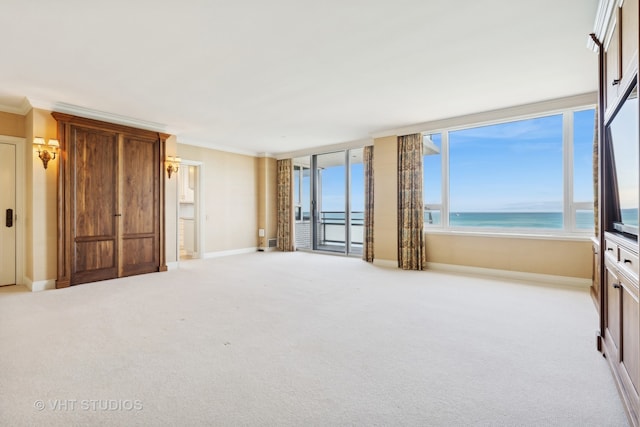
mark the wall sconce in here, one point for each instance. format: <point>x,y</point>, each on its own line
<point>44,154</point>
<point>173,163</point>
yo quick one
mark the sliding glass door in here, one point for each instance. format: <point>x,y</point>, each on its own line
<point>329,202</point>
<point>336,202</point>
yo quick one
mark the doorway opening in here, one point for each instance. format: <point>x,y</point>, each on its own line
<point>189,210</point>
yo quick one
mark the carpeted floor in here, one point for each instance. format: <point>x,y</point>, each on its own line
<point>302,339</point>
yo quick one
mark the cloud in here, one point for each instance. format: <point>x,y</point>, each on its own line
<point>533,129</point>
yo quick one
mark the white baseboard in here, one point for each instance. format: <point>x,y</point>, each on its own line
<point>39,285</point>
<point>218,254</point>
<point>548,279</point>
<point>387,263</point>
<point>172,265</point>
<point>262,249</point>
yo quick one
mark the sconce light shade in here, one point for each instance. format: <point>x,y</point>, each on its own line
<point>173,164</point>
<point>43,149</point>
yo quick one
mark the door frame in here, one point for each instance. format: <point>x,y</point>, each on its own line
<point>199,202</point>
<point>20,146</point>
<point>316,201</point>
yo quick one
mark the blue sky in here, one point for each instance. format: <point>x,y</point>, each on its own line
<point>514,166</point>
<point>333,188</point>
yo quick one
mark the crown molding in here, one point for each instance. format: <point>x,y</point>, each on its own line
<point>496,116</point>
<point>21,109</point>
<point>359,143</point>
<point>89,113</point>
<point>204,144</point>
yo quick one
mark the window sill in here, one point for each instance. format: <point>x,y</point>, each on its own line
<point>516,234</point>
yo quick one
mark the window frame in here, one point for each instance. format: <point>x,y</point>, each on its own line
<point>297,196</point>
<point>569,205</point>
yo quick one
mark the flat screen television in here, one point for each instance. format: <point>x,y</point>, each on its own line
<point>624,186</point>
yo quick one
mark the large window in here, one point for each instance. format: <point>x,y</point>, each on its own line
<point>531,174</point>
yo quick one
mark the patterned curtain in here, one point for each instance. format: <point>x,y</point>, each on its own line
<point>411,250</point>
<point>367,250</point>
<point>285,206</point>
<point>596,211</point>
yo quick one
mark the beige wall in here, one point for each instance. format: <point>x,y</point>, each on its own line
<point>230,198</point>
<point>170,206</point>
<point>41,201</point>
<point>29,155</point>
<point>539,256</point>
<point>12,124</point>
<point>267,212</point>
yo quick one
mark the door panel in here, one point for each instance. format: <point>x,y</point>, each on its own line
<point>140,212</point>
<point>330,215</point>
<point>141,250</point>
<point>8,202</point>
<point>94,250</point>
<point>630,357</point>
<point>95,255</point>
<point>613,308</point>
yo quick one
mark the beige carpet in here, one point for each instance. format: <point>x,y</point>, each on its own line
<point>302,339</point>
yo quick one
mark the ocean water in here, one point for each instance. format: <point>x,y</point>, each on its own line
<point>547,220</point>
<point>524,220</point>
<point>512,219</point>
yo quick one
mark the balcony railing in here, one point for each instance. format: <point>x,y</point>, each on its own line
<point>331,230</point>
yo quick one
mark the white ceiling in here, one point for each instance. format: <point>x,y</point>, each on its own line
<point>284,75</point>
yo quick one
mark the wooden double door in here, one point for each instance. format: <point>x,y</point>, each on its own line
<point>111,213</point>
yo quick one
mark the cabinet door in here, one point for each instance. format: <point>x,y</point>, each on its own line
<point>140,206</point>
<point>629,23</point>
<point>630,339</point>
<point>94,250</point>
<point>595,279</point>
<point>612,67</point>
<point>612,317</point>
